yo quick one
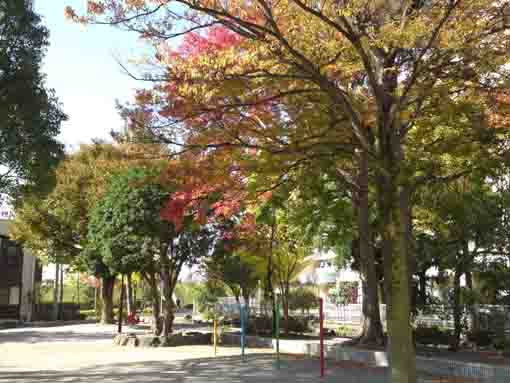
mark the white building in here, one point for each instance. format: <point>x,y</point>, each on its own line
<point>323,273</point>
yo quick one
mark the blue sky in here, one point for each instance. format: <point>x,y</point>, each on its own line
<point>80,65</point>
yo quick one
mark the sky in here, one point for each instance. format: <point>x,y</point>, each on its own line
<point>81,66</point>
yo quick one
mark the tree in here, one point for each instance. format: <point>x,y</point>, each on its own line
<point>234,268</point>
<point>462,216</point>
<point>30,114</point>
<point>419,69</point>
<point>57,226</point>
<point>125,226</point>
<point>291,251</point>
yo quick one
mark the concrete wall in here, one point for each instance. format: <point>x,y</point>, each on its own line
<point>27,293</point>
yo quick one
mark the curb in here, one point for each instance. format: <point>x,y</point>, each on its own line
<point>430,365</point>
<point>55,323</point>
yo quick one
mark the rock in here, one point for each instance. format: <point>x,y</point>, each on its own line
<point>124,340</point>
<point>149,341</point>
<point>116,340</point>
<point>132,341</point>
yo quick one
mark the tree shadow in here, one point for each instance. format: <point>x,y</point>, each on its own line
<point>257,368</point>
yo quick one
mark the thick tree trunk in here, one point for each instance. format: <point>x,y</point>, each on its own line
<point>129,295</point>
<point>107,287</point>
<point>168,305</point>
<point>396,230</point>
<point>372,331</point>
<point>457,309</point>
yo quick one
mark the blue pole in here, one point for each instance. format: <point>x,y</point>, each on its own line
<point>243,331</point>
<point>277,333</point>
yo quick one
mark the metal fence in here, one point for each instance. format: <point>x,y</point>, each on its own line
<point>490,317</point>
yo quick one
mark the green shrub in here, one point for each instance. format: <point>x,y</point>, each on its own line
<point>481,338</point>
<point>303,299</point>
<point>88,314</point>
<point>502,344</point>
<point>432,335</point>
<point>346,331</point>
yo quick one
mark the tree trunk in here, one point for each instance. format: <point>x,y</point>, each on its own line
<point>285,306</point>
<point>56,287</point>
<point>168,304</point>
<point>457,309</point>
<point>129,295</point>
<point>422,291</point>
<point>121,305</point>
<point>396,232</point>
<point>155,298</point>
<point>372,331</point>
<point>167,287</point>
<point>246,297</point>
<point>107,287</point>
<point>473,304</point>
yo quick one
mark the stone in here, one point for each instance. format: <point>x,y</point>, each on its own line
<point>132,341</point>
<point>124,340</point>
<point>117,339</point>
<point>149,341</point>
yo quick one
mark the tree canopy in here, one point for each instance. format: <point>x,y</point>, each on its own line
<point>30,113</point>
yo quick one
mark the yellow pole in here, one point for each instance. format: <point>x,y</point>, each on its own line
<point>215,340</point>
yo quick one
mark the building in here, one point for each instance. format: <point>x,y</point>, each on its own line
<point>323,273</point>
<point>20,273</point>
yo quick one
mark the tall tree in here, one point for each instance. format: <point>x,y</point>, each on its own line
<point>419,65</point>
<point>125,226</point>
<point>30,114</point>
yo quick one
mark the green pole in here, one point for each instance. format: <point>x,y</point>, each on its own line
<point>277,333</point>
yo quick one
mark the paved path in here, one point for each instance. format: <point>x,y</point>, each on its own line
<point>85,354</point>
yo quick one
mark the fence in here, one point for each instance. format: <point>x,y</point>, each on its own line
<point>494,318</point>
<point>44,312</point>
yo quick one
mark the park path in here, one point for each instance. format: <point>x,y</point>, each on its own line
<point>85,354</point>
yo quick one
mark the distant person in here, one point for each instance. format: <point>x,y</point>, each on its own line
<point>178,302</point>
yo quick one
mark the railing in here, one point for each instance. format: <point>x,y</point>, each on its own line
<point>490,317</point>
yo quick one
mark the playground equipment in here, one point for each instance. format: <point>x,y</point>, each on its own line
<point>321,334</point>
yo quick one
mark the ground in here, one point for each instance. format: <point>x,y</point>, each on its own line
<point>85,353</point>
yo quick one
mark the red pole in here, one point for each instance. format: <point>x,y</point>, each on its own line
<point>321,334</point>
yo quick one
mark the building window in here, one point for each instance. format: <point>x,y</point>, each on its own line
<point>9,295</point>
<point>12,251</point>
<point>14,295</point>
<point>4,295</point>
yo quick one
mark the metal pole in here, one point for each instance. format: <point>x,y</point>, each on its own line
<point>78,289</point>
<point>277,332</point>
<point>215,339</point>
<point>321,334</point>
<point>243,332</point>
<point>121,305</point>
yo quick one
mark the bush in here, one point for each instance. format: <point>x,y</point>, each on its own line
<point>297,325</point>
<point>481,338</point>
<point>88,314</point>
<point>502,344</point>
<point>346,331</point>
<point>303,299</point>
<point>264,325</point>
<point>432,335</point>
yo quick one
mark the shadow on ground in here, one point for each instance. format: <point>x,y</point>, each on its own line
<point>256,369</point>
